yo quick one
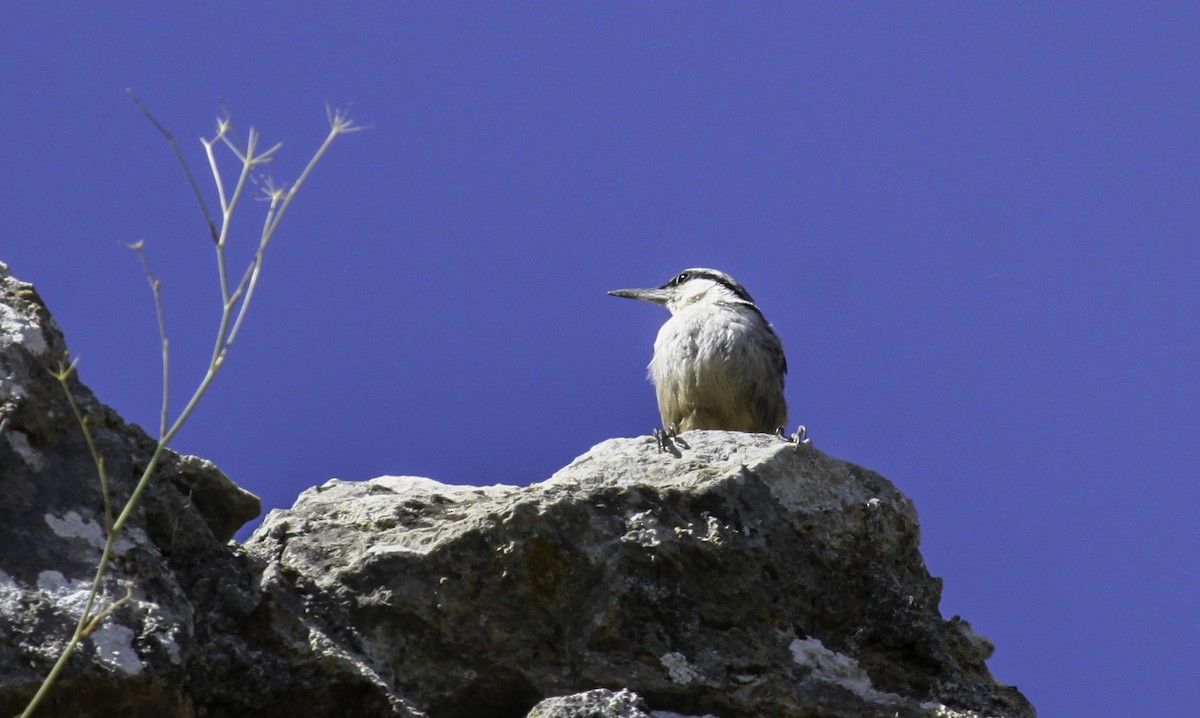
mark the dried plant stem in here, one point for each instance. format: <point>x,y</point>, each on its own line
<point>235,301</point>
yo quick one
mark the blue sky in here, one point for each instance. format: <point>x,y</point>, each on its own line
<point>974,226</point>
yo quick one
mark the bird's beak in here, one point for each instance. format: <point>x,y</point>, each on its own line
<point>655,296</point>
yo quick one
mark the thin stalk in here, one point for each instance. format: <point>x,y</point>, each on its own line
<point>76,637</point>
<point>101,568</point>
<point>156,288</point>
<point>212,163</point>
<point>238,298</point>
<point>337,127</point>
<point>85,618</point>
<point>212,227</point>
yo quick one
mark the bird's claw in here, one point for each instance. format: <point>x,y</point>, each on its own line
<point>667,438</point>
<point>800,437</point>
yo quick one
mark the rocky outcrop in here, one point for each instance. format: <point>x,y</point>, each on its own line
<point>745,576</point>
<point>739,576</point>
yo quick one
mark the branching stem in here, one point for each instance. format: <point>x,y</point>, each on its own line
<point>235,302</point>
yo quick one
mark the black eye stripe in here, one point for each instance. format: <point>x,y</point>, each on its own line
<point>720,278</point>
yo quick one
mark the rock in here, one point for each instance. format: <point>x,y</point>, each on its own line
<point>740,576</point>
<point>201,635</point>
<point>600,703</point>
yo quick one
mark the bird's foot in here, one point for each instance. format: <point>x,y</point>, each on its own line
<point>667,438</point>
<point>800,437</point>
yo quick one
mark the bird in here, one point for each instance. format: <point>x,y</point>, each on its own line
<point>717,363</point>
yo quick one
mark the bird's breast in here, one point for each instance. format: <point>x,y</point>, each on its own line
<point>700,344</point>
<point>719,368</point>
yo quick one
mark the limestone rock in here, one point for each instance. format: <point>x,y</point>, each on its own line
<point>743,577</point>
<point>599,703</point>
<point>200,637</point>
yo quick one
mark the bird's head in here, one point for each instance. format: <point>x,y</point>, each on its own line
<point>691,286</point>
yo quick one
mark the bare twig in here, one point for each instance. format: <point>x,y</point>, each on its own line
<point>156,288</point>
<point>63,375</point>
<point>235,302</point>
<point>99,618</point>
<point>81,625</point>
<point>212,227</point>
